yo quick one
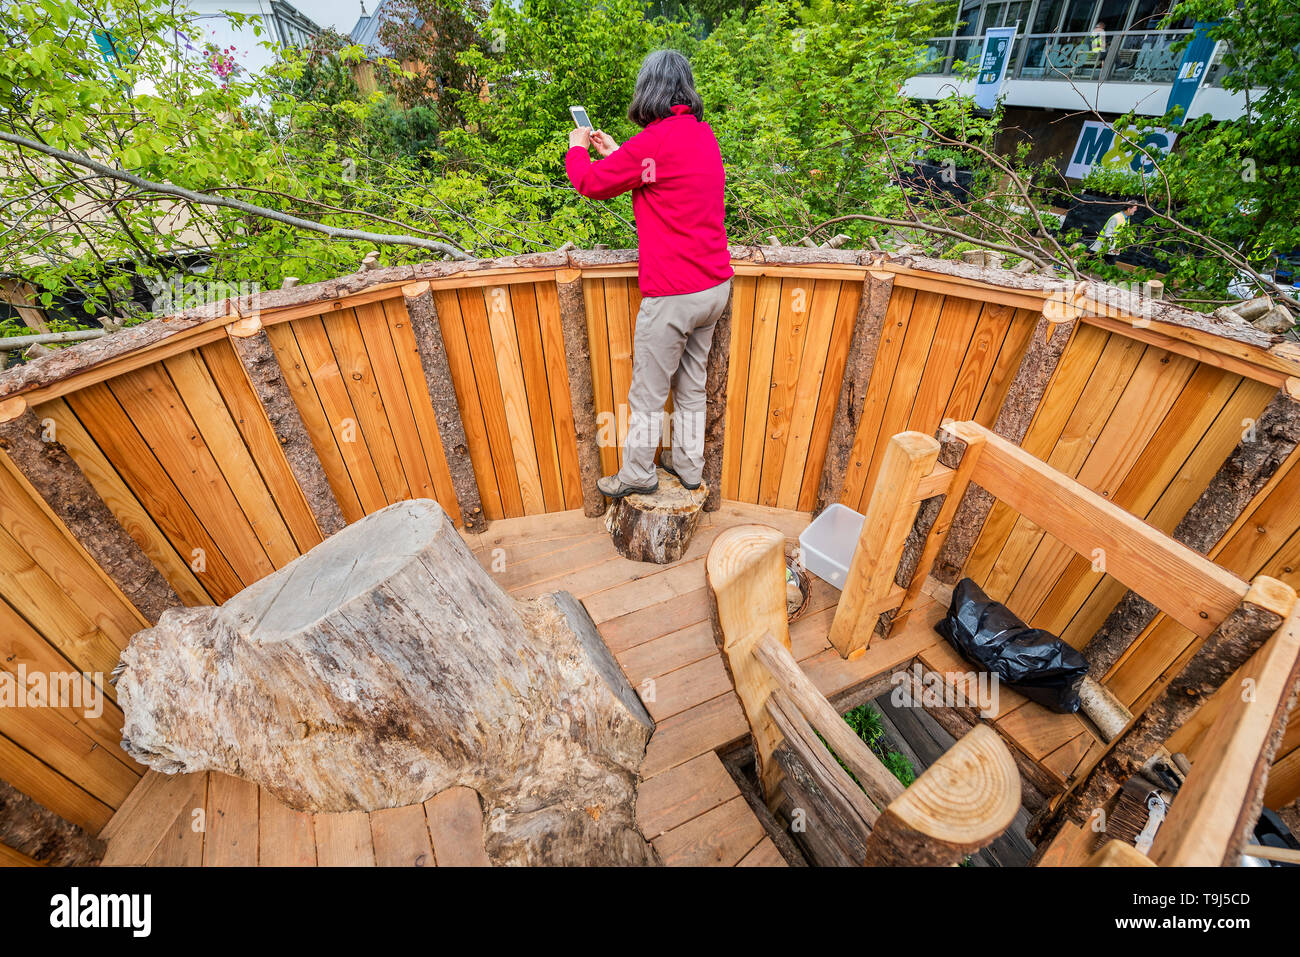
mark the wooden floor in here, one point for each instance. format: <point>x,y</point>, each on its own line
<point>656,621</point>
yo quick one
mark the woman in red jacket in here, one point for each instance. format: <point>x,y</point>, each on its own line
<point>674,169</point>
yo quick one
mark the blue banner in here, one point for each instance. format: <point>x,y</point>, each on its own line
<point>993,66</point>
<point>1191,73</point>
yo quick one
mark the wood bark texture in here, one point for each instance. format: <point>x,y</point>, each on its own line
<point>658,527</point>
<point>386,666</point>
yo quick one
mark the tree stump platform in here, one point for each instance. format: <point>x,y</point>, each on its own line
<point>656,528</point>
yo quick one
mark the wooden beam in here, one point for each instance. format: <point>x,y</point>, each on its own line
<point>1214,813</point>
<point>908,457</point>
<point>863,344</point>
<point>715,405</point>
<point>831,779</point>
<point>960,804</point>
<point>34,449</point>
<point>875,779</point>
<point>1028,386</point>
<point>267,379</point>
<point>1118,854</point>
<point>1188,586</point>
<point>746,574</point>
<point>582,396</point>
<point>1259,614</point>
<point>426,326</point>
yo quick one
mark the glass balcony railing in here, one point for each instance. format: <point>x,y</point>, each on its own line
<point>1146,56</point>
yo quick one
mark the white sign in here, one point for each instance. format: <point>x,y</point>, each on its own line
<point>993,66</point>
<point>1130,149</point>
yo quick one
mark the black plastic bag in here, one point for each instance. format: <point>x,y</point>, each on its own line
<point>1034,662</point>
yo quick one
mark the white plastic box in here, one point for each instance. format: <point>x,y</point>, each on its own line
<point>827,545</point>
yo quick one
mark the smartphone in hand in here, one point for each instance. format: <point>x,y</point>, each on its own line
<point>580,117</point>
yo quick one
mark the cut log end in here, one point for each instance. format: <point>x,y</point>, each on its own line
<point>960,804</point>
<point>657,527</point>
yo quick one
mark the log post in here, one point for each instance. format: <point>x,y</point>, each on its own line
<point>746,575</point>
<point>582,396</point>
<point>1261,612</point>
<point>1026,391</point>
<point>267,379</point>
<point>656,527</point>
<point>33,449</point>
<point>423,313</point>
<point>1214,813</point>
<point>960,804</point>
<point>877,288</point>
<point>908,457</point>
<point>386,666</point>
<point>715,407</point>
<point>967,451</point>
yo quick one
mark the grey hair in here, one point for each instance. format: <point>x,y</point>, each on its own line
<point>664,81</point>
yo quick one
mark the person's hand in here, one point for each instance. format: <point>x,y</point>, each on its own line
<point>604,143</point>
<point>580,137</point>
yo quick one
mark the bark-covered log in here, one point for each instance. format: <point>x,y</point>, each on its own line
<point>41,834</point>
<point>582,396</point>
<point>425,324</point>
<point>1023,397</point>
<point>258,358</point>
<point>656,527</point>
<point>385,666</point>
<point>38,455</point>
<point>863,344</point>
<point>715,403</point>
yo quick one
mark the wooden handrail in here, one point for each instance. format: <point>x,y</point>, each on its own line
<point>1214,812</point>
<point>875,778</point>
<point>1183,583</point>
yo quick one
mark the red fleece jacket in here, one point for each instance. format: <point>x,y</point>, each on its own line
<point>674,169</point>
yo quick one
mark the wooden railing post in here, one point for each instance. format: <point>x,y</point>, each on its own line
<point>1214,812</point>
<point>960,804</point>
<point>746,573</point>
<point>908,457</point>
<point>1267,604</point>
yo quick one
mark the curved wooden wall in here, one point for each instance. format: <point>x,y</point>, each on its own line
<point>176,440</point>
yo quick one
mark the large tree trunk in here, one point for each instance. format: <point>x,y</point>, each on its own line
<point>385,666</point>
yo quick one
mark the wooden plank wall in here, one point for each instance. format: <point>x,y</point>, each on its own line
<point>183,455</point>
<point>59,615</point>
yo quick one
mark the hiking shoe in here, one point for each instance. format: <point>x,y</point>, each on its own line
<point>612,487</point>
<point>666,463</point>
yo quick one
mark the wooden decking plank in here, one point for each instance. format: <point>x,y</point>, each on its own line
<point>455,820</point>
<point>683,793</point>
<point>720,837</point>
<point>231,822</point>
<point>706,727</point>
<point>667,653</point>
<point>142,820</point>
<point>343,840</point>
<point>401,837</point>
<point>685,687</point>
<point>764,855</point>
<point>636,627</point>
<point>181,844</point>
<point>285,838</point>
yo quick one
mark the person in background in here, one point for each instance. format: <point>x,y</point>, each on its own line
<point>674,171</point>
<point>1105,243</point>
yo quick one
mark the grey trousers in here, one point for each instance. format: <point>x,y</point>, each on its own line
<point>670,352</point>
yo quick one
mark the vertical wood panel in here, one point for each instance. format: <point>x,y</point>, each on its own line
<point>478,335</point>
<point>742,335</point>
<point>557,377</point>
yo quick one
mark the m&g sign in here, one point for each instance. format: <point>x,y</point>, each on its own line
<point>1130,149</point>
